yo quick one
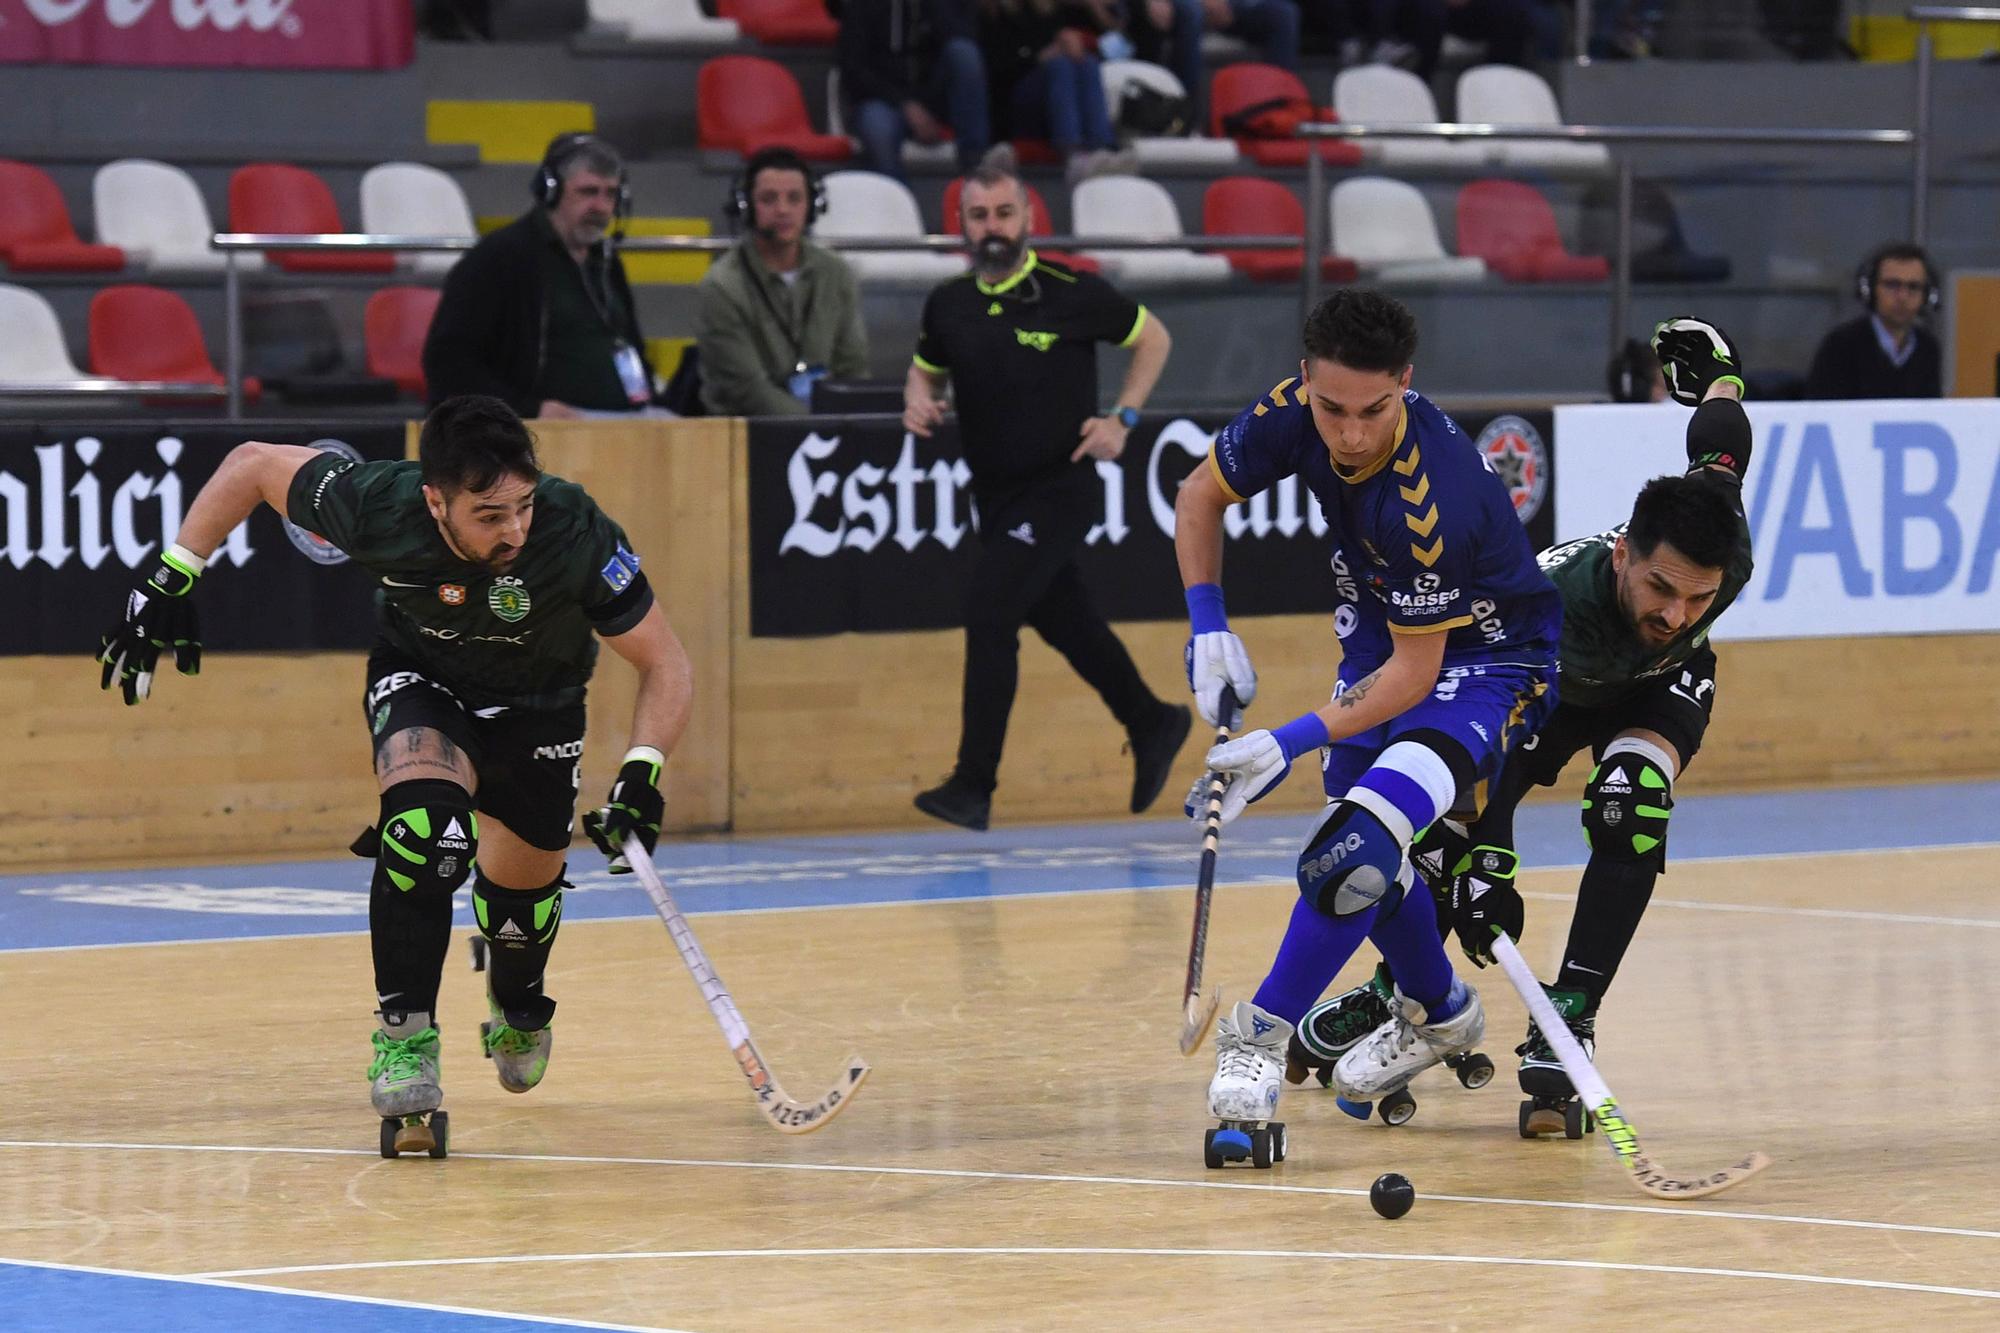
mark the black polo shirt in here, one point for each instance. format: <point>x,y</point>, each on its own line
<point>1022,356</point>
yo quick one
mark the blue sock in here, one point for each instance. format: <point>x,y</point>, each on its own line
<point>1316,946</point>
<point>1408,939</point>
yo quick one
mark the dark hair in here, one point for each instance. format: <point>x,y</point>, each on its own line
<point>1630,374</point>
<point>1691,513</point>
<point>469,442</point>
<point>1362,331</point>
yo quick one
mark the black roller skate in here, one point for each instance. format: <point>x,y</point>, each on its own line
<point>1553,1106</point>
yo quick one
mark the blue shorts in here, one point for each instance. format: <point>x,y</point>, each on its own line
<point>1489,708</point>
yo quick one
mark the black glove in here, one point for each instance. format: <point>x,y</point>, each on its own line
<point>1693,355</point>
<point>1484,900</point>
<point>158,614</point>
<point>635,807</point>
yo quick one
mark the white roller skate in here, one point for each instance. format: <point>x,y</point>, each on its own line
<point>520,1056</point>
<point>404,1086</point>
<point>1243,1095</point>
<point>1380,1067</point>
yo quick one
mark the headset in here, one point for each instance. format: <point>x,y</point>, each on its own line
<point>547,185</point>
<point>742,209</point>
<point>1866,276</point>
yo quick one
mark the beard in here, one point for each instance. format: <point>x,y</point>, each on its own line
<point>494,561</point>
<point>998,253</point>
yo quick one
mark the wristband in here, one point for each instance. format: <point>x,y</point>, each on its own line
<point>1205,613</point>
<point>646,754</point>
<point>185,560</point>
<point>1301,734</point>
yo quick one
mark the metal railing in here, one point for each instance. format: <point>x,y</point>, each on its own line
<point>231,244</point>
<point>1923,16</point>
<point>97,386</point>
<point>1621,283</point>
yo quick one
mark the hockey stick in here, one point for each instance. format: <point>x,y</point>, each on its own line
<point>1619,1135</point>
<point>1197,1011</point>
<point>785,1115</point>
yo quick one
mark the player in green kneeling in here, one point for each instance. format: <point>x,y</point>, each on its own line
<point>495,583</point>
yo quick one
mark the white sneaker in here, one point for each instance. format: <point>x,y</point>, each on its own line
<point>1249,1064</point>
<point>1389,1057</point>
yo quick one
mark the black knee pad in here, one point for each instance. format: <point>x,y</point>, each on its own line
<point>1351,862</point>
<point>1626,803</point>
<point>520,925</point>
<point>428,836</point>
<point>1435,856</point>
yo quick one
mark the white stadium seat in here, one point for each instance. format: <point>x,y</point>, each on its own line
<point>678,21</point>
<point>410,199</point>
<point>1386,227</point>
<point>155,213</point>
<point>33,351</point>
<point>1385,95</point>
<point>1504,95</point>
<point>1194,150</point>
<point>1132,206</point>
<point>863,203</point>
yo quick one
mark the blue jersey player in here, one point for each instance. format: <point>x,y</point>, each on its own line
<point>1448,634</point>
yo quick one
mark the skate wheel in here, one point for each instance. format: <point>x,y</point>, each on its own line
<point>1474,1071</point>
<point>1359,1110</point>
<point>1575,1120</point>
<point>389,1130</point>
<point>1325,1075</point>
<point>485,1029</point>
<point>1398,1107</point>
<point>1527,1110</point>
<point>1210,1154</point>
<point>1231,1145</point>
<point>1277,1141</point>
<point>440,1130</point>
<point>477,946</point>
<point>1539,1118</point>
<point>412,1134</point>
<point>1260,1149</point>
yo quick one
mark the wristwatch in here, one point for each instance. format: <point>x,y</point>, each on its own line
<point>1128,417</point>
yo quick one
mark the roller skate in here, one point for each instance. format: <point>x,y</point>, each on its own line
<point>404,1085</point>
<point>1332,1026</point>
<point>1378,1069</point>
<point>519,1043</point>
<point>1249,1071</point>
<point>1553,1106</point>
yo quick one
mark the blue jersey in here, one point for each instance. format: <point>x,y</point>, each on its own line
<point>1428,530</point>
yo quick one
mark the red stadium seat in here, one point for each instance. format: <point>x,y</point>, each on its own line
<point>285,200</point>
<point>35,231</point>
<point>1254,206</point>
<point>1039,223</point>
<point>744,103</point>
<point>1511,226</point>
<point>1238,87</point>
<point>783,22</point>
<point>148,333</point>
<point>394,325</point>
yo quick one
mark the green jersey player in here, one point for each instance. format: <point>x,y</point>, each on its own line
<point>496,581</point>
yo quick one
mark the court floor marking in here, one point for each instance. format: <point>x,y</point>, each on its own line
<point>1135,1252</point>
<point>218,1280</point>
<point>1030,1177</point>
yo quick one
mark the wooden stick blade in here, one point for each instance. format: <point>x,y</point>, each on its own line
<point>1197,1016</point>
<point>1652,1179</point>
<point>786,1115</point>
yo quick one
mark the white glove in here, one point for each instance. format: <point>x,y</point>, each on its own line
<point>1216,659</point>
<point>1253,764</point>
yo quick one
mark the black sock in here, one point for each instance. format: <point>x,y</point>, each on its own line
<point>410,933</point>
<point>1609,903</point>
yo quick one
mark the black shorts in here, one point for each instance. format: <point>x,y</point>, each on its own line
<point>529,761</point>
<point>1676,705</point>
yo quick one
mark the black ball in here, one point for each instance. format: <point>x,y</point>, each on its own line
<point>1392,1195</point>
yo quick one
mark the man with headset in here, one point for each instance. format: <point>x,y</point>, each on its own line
<point>539,314</point>
<point>1885,353</point>
<point>777,312</point>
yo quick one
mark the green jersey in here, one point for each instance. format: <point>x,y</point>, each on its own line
<point>1603,661</point>
<point>521,639</point>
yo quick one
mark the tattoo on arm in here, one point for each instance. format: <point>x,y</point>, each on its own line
<point>1356,692</point>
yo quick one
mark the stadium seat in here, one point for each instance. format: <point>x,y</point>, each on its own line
<point>33,351</point>
<point>1039,223</point>
<point>35,231</point>
<point>148,333</point>
<point>155,213</point>
<point>1163,150</point>
<point>410,199</point>
<point>394,326</point>
<point>1506,95</point>
<point>1385,95</point>
<point>1255,206</point>
<point>864,203</point>
<point>744,103</point>
<point>1237,87</point>
<point>783,22</point>
<point>277,199</point>
<point>1511,226</point>
<point>1386,228</point>
<point>1132,206</point>
<point>681,22</point>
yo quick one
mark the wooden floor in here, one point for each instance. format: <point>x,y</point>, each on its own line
<point>1027,1153</point>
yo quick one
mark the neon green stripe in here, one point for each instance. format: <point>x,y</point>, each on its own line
<point>1649,778</point>
<point>1016,279</point>
<point>1650,811</point>
<point>544,907</point>
<point>1643,844</point>
<point>418,819</point>
<point>404,852</point>
<point>479,911</point>
<point>927,367</point>
<point>403,882</point>
<point>1137,324</point>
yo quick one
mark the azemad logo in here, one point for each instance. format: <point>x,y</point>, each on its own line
<point>1515,451</point>
<point>311,545</point>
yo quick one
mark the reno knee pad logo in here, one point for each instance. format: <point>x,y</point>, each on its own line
<point>1322,865</point>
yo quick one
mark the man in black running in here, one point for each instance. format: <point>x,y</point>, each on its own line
<point>496,581</point>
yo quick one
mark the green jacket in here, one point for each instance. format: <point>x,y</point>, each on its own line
<point>751,344</point>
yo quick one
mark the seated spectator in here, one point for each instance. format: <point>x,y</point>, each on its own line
<point>1048,82</point>
<point>1885,353</point>
<point>912,69</point>
<point>777,312</point>
<point>1634,375</point>
<point>1168,32</point>
<point>539,314</point>
<point>1411,33</point>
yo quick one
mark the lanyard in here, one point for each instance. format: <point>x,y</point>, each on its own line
<point>603,307</point>
<point>784,325</point>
